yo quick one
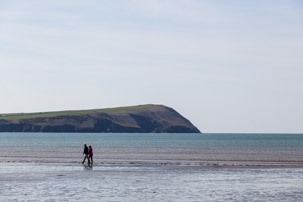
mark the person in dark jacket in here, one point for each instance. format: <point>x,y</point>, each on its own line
<point>90,154</point>
<point>85,153</point>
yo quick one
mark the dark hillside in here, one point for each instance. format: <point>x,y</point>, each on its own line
<point>135,119</point>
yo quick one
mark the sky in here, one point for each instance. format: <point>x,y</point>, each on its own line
<point>228,66</point>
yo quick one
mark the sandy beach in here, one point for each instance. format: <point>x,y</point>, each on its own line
<point>139,182</point>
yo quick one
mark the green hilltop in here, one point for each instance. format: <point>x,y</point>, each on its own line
<point>18,116</point>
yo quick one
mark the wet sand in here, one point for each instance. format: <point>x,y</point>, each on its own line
<point>163,162</point>
<point>148,181</point>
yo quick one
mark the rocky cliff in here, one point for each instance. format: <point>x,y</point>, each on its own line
<point>136,119</point>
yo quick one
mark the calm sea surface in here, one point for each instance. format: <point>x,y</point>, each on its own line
<point>68,147</point>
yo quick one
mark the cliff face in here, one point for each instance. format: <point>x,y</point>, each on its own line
<point>152,119</point>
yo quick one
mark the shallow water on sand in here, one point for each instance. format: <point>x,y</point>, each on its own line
<point>68,182</point>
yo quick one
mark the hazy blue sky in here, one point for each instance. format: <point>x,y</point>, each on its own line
<point>228,66</point>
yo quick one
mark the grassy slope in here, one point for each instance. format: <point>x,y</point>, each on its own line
<point>18,116</point>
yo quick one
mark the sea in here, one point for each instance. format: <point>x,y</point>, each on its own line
<point>151,167</point>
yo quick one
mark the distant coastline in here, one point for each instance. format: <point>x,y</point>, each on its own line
<point>133,119</point>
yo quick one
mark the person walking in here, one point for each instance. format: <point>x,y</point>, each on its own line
<point>85,153</point>
<point>90,154</point>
